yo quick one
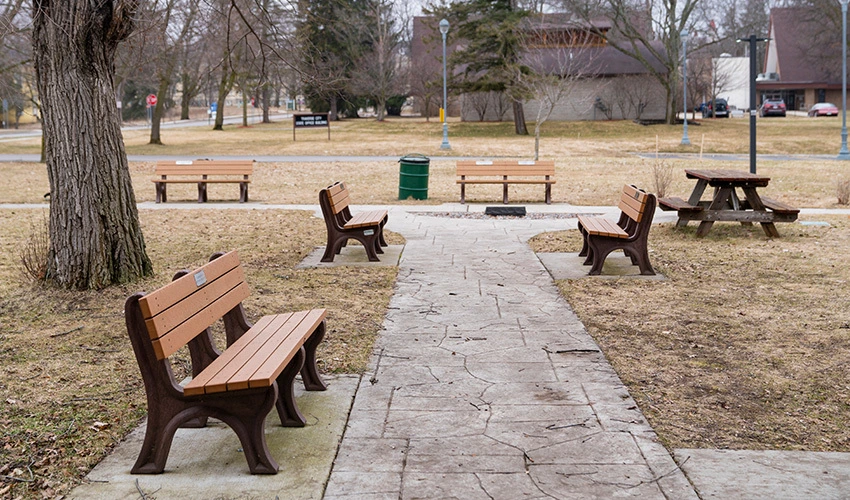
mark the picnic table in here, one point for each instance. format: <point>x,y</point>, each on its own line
<point>726,204</point>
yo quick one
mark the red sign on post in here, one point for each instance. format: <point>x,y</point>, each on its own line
<point>151,99</point>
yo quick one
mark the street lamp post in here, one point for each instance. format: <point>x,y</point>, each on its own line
<point>684,36</point>
<point>844,154</point>
<point>752,39</point>
<point>444,28</point>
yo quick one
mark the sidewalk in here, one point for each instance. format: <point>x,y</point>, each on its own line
<point>483,384</point>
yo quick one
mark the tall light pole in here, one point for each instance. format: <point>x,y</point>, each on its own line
<point>844,154</point>
<point>444,28</point>
<point>752,39</point>
<point>684,36</point>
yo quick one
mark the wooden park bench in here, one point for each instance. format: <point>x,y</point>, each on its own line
<point>602,236</point>
<point>238,386</point>
<point>506,172</point>
<point>203,172</point>
<point>365,227</point>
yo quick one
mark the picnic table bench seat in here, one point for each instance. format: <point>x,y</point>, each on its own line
<point>202,172</point>
<point>630,233</point>
<point>238,386</point>
<point>506,172</point>
<point>366,227</point>
<point>677,204</point>
<point>779,207</point>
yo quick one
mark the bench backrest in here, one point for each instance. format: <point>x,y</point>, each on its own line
<point>181,310</point>
<point>634,202</point>
<point>506,167</point>
<point>205,167</point>
<point>337,197</point>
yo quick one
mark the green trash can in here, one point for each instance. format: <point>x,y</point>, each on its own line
<point>413,177</point>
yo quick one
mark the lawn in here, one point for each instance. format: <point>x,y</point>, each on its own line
<point>744,345</point>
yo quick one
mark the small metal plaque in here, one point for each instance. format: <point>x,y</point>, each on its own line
<point>368,232</point>
<point>483,162</point>
<point>184,162</point>
<point>200,278</point>
<point>526,162</point>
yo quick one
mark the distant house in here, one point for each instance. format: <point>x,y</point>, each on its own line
<point>606,84</point>
<point>803,60</point>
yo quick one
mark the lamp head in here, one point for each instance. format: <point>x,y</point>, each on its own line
<point>444,26</point>
<point>684,34</point>
<point>844,2</point>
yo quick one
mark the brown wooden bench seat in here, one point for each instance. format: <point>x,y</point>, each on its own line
<point>506,172</point>
<point>630,233</point>
<point>203,172</point>
<point>778,206</point>
<point>365,227</point>
<point>678,204</point>
<point>239,386</point>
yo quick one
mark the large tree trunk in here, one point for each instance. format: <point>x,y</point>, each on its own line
<point>95,237</point>
<point>519,118</point>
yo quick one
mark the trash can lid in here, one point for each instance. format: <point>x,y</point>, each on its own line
<point>415,158</point>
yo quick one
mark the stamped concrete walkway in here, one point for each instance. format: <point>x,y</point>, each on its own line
<point>484,384</point>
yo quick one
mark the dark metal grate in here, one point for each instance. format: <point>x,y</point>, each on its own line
<point>512,211</point>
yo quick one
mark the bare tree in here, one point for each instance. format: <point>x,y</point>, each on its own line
<point>557,66</point>
<point>95,237</point>
<point>377,72</point>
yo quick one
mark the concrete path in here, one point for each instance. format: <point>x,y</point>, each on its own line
<point>484,384</point>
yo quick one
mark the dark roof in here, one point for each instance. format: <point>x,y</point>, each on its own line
<point>807,46</point>
<point>593,61</point>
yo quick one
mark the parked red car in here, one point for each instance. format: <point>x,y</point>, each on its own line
<point>824,109</point>
<point>773,107</point>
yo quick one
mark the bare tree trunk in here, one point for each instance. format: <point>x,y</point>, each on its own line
<point>158,111</point>
<point>267,95</point>
<point>334,112</point>
<point>95,237</point>
<point>244,109</point>
<point>519,118</point>
<point>226,83</point>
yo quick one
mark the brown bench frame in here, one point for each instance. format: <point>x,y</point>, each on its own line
<point>602,236</point>
<point>365,227</point>
<point>239,386</point>
<point>508,171</point>
<point>238,171</point>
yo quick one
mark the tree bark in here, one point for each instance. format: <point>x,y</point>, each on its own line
<point>226,83</point>
<point>158,112</point>
<point>95,236</point>
<point>519,118</point>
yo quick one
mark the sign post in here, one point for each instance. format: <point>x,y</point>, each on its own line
<point>151,102</point>
<point>310,120</point>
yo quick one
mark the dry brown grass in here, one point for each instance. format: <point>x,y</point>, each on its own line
<point>580,181</point>
<point>66,359</point>
<point>745,345</point>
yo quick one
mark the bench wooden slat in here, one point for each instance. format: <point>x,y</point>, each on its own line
<point>169,319</point>
<point>363,219</point>
<point>676,203</point>
<point>503,181</point>
<point>168,344</point>
<point>604,227</point>
<point>778,206</point>
<point>204,382</point>
<point>271,368</point>
<point>165,297</point>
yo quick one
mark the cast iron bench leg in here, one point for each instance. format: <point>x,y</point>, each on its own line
<point>287,410</point>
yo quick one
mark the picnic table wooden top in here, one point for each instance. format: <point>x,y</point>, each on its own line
<point>728,176</point>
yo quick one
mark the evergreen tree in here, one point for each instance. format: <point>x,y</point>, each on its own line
<point>491,56</point>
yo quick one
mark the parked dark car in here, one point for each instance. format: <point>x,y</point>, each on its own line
<point>773,107</point>
<point>721,111</point>
<point>824,109</point>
